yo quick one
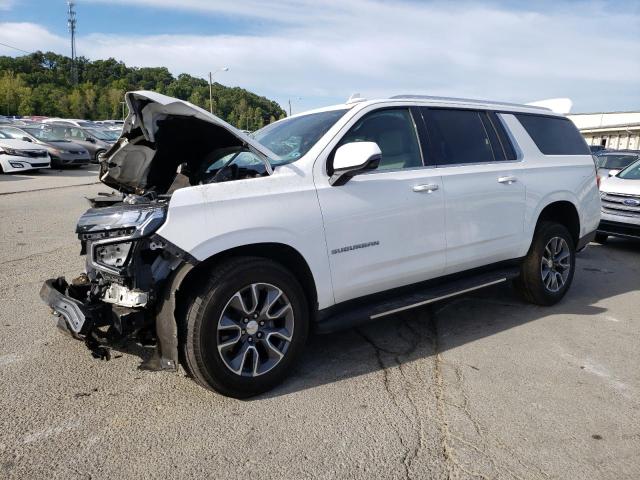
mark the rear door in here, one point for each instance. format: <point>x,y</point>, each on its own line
<point>483,185</point>
<point>384,228</point>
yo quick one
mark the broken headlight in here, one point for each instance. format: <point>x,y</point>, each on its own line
<point>141,220</point>
<point>112,255</point>
<point>108,234</point>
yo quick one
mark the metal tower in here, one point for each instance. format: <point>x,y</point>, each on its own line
<point>71,23</point>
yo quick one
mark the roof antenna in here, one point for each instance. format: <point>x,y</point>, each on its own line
<point>355,98</point>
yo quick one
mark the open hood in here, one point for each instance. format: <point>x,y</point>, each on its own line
<point>162,133</point>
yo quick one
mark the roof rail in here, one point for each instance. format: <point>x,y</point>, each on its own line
<point>465,100</point>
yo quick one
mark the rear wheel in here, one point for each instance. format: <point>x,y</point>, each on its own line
<point>547,270</point>
<point>602,237</point>
<point>245,328</point>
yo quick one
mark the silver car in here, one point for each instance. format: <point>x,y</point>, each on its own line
<point>63,153</point>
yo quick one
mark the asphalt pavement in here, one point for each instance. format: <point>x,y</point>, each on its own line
<point>481,386</point>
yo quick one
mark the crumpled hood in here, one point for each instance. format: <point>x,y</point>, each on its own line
<point>129,163</point>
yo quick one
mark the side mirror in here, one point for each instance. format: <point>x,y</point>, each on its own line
<point>613,173</point>
<point>91,140</point>
<point>26,139</point>
<point>353,158</point>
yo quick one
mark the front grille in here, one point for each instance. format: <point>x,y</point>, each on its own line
<point>621,204</point>
<point>39,164</point>
<point>32,153</point>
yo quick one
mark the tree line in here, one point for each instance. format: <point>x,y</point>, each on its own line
<point>41,84</point>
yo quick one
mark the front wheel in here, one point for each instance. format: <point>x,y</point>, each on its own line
<point>246,327</point>
<point>547,270</point>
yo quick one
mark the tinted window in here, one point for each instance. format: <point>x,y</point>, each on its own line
<point>553,135</point>
<point>616,162</point>
<point>458,136</point>
<point>505,143</point>
<point>395,134</point>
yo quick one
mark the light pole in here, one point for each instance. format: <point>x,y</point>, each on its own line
<point>295,98</point>
<point>223,69</point>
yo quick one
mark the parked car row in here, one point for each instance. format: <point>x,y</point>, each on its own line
<point>65,142</point>
<point>619,195</point>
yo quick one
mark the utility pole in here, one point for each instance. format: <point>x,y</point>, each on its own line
<point>71,23</point>
<point>210,93</point>
<point>296,98</point>
<point>223,69</point>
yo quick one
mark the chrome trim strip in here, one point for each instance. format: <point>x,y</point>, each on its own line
<point>436,299</point>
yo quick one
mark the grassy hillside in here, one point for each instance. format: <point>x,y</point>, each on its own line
<point>40,84</point>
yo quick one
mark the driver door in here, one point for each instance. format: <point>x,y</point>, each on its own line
<point>384,228</point>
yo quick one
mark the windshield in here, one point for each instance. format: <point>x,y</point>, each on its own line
<point>616,162</point>
<point>291,138</point>
<point>111,134</point>
<point>632,172</point>
<point>100,134</point>
<point>45,134</point>
<point>11,132</point>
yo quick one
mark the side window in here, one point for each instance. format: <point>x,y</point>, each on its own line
<point>554,135</point>
<point>394,132</point>
<point>458,136</point>
<point>77,134</point>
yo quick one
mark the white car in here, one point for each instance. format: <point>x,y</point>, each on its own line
<point>620,204</point>
<point>20,156</point>
<point>231,249</point>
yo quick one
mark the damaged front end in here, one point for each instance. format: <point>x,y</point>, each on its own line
<point>132,273</point>
<point>128,268</point>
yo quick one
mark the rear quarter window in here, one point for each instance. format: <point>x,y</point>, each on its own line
<point>554,135</point>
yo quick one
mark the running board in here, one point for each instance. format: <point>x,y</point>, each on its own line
<point>356,312</point>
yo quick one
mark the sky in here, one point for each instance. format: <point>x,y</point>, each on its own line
<point>319,52</point>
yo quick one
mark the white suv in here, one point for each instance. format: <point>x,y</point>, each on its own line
<point>230,248</point>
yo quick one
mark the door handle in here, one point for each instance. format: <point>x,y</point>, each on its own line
<point>508,180</point>
<point>426,187</point>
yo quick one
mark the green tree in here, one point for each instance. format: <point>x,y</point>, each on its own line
<point>40,84</point>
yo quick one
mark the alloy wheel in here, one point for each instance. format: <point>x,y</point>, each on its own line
<point>255,329</point>
<point>555,265</point>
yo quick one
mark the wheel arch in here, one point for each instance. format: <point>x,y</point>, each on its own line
<point>563,212</point>
<point>284,254</point>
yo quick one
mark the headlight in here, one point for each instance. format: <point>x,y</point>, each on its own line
<point>8,151</point>
<point>124,220</point>
<point>113,255</point>
<point>56,151</point>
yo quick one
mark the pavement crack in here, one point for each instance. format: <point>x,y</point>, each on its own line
<point>33,255</point>
<point>411,449</point>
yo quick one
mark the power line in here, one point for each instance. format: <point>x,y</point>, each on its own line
<point>15,48</point>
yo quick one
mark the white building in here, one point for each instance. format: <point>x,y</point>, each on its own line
<point>615,130</point>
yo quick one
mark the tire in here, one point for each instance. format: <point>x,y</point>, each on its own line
<point>96,155</point>
<point>536,287</point>
<point>602,238</point>
<point>213,346</point>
